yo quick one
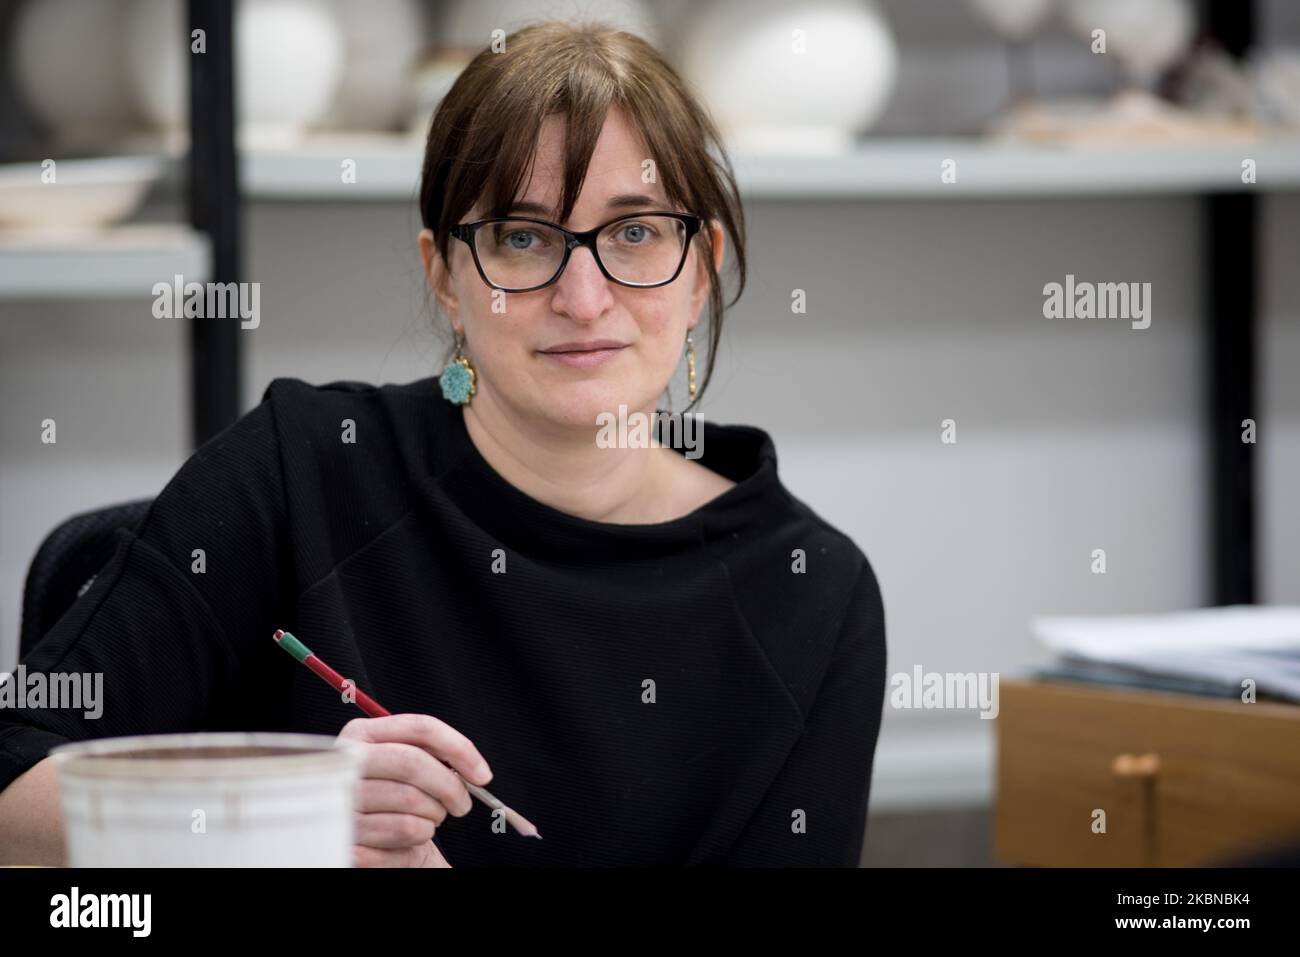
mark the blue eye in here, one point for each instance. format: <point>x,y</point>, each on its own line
<point>521,240</point>
<point>639,233</point>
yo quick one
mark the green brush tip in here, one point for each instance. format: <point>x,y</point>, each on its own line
<point>292,645</point>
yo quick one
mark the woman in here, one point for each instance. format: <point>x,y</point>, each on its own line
<point>664,656</point>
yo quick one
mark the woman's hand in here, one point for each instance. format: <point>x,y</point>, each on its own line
<point>406,791</point>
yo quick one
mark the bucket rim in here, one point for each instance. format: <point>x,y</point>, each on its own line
<point>108,757</point>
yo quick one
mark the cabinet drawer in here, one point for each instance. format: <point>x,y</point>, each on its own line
<point>1183,780</point>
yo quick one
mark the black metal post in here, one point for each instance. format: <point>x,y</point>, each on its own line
<point>1229,244</point>
<point>215,210</point>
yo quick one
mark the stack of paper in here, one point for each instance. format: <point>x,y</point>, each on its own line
<point>1207,650</point>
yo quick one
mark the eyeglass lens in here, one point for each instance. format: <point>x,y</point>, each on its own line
<point>516,254</point>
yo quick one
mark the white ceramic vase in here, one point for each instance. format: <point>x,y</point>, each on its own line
<point>468,24</point>
<point>1144,35</point>
<point>804,78</point>
<point>1013,19</point>
<point>288,63</point>
<point>69,69</point>
<point>381,41</point>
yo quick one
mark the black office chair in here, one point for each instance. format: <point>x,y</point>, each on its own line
<point>67,562</point>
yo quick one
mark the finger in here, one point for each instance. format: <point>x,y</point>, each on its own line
<point>398,797</point>
<point>411,765</point>
<point>391,831</point>
<point>417,856</point>
<point>424,731</point>
<point>426,855</point>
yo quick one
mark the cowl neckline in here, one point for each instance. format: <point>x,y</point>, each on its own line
<point>744,454</point>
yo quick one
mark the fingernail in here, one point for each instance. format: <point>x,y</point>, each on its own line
<point>483,771</point>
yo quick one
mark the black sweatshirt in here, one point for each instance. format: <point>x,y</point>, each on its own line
<point>668,694</point>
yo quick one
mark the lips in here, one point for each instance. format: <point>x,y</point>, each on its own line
<point>584,355</point>
<point>590,345</point>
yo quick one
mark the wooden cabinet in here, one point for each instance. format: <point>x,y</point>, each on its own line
<point>1182,780</point>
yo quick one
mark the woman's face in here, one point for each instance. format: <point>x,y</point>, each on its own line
<point>508,344</point>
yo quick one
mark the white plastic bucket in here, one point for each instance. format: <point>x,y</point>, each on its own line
<point>189,800</point>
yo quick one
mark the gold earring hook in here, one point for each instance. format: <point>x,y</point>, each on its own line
<point>690,366</point>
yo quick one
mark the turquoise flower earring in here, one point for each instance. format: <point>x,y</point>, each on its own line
<point>457,380</point>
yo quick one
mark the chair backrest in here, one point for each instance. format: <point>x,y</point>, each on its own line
<point>66,564</point>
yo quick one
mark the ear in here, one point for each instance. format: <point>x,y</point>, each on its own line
<point>438,276</point>
<point>701,292</point>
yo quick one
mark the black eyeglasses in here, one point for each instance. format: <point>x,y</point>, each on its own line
<point>518,254</point>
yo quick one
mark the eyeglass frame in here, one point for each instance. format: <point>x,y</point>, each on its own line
<point>465,233</point>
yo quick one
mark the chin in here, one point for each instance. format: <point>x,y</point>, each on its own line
<point>577,404</point>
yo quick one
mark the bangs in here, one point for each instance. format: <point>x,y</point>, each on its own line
<point>583,96</point>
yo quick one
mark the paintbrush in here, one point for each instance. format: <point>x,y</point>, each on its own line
<point>375,710</point>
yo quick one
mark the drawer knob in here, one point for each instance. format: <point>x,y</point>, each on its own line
<point>1135,765</point>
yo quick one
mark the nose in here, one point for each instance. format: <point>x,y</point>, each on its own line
<point>582,292</point>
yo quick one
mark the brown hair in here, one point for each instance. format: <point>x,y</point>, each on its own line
<point>483,136</point>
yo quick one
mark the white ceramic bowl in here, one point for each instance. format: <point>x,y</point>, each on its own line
<point>84,194</point>
<point>290,806</point>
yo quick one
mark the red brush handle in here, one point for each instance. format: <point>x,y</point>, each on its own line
<point>366,703</point>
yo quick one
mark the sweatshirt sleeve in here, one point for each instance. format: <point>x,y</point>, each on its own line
<point>163,626</point>
<point>827,775</point>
